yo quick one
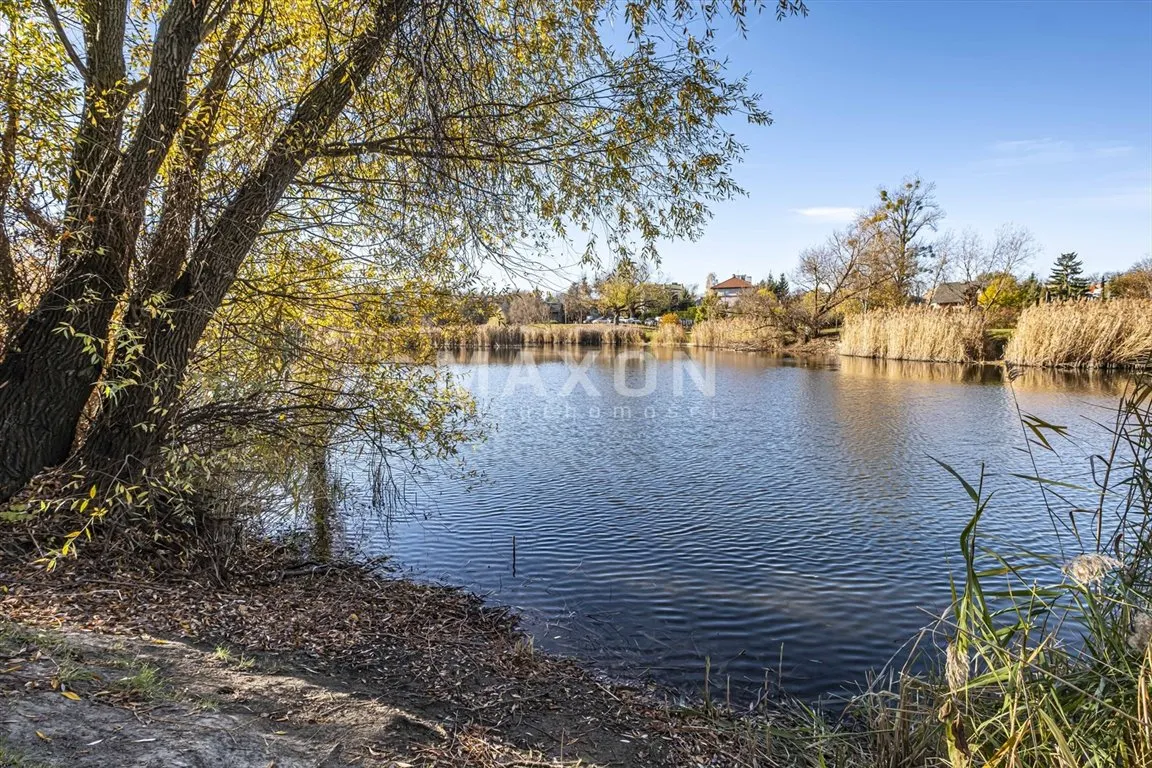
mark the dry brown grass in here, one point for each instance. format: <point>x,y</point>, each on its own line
<point>669,334</point>
<point>1084,334</point>
<point>737,333</point>
<point>915,333</point>
<point>496,336</point>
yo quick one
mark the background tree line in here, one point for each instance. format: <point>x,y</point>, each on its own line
<point>629,290</point>
<point>894,254</point>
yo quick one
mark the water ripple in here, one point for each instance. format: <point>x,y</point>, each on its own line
<point>797,510</point>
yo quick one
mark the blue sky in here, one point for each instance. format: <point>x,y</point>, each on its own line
<point>1034,113</point>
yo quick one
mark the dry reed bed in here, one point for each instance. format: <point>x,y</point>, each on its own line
<point>669,334</point>
<point>737,333</point>
<point>494,336</point>
<point>1084,334</point>
<point>916,333</point>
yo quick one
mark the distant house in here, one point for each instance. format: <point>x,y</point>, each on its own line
<point>678,292</point>
<point>556,309</point>
<point>954,295</point>
<point>732,289</point>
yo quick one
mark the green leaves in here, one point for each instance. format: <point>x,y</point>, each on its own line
<point>1038,427</point>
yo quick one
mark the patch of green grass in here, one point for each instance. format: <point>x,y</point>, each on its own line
<point>68,671</point>
<point>145,684</point>
<point>10,758</point>
<point>51,647</point>
<point>14,636</point>
<point>208,704</point>
<point>225,655</point>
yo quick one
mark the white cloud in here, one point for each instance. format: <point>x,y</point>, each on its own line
<point>828,213</point>
<point>1022,152</point>
<point>1030,146</point>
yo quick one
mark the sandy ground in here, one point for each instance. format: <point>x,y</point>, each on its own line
<point>85,699</point>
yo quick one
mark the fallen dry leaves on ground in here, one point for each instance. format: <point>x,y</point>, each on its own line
<point>435,651</point>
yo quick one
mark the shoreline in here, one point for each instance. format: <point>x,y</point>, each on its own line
<point>440,656</point>
<point>914,335</point>
<point>815,349</point>
<point>812,348</point>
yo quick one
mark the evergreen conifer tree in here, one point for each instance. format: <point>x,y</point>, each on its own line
<point>1066,281</point>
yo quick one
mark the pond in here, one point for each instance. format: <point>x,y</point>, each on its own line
<point>654,511</point>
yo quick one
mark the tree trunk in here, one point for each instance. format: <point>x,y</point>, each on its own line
<point>49,371</point>
<point>9,288</point>
<point>130,429</point>
<point>323,508</point>
<point>47,375</point>
<point>101,128</point>
<point>50,364</point>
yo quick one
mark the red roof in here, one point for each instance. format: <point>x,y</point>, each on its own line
<point>733,282</point>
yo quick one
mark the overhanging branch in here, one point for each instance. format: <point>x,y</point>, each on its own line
<point>73,56</point>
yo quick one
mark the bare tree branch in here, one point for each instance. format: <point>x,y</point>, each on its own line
<point>73,56</point>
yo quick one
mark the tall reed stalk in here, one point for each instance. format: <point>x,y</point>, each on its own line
<point>499,336</point>
<point>915,333</point>
<point>669,334</point>
<point>745,333</point>
<point>1043,659</point>
<point>1083,334</point>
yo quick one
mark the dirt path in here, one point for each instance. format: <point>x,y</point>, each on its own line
<point>85,699</point>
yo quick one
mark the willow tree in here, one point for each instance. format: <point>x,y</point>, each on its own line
<point>622,289</point>
<point>208,134</point>
<point>34,92</point>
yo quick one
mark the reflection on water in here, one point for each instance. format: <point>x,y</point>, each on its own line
<point>672,505</point>
<point>1086,381</point>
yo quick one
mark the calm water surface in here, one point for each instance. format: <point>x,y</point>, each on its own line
<point>775,516</point>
